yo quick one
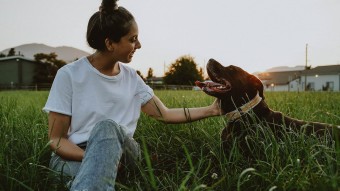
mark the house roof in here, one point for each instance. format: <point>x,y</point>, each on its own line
<point>284,77</point>
<point>16,57</point>
<point>322,70</point>
<point>278,78</point>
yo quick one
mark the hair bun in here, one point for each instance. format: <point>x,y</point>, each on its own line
<point>108,6</point>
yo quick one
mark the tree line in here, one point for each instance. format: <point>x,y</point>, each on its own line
<point>183,71</point>
<point>11,52</point>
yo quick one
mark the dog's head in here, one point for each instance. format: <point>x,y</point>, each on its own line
<point>232,85</point>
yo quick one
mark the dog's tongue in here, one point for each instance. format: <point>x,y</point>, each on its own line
<point>206,84</point>
<point>200,84</point>
<point>211,86</point>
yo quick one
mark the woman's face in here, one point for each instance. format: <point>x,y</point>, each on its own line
<point>128,44</point>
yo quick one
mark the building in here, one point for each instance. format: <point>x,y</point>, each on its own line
<point>155,80</point>
<point>321,78</point>
<point>17,71</point>
<point>279,81</point>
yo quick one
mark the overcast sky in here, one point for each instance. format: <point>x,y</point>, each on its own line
<point>253,34</point>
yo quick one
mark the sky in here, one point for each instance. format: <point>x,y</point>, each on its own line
<point>253,34</point>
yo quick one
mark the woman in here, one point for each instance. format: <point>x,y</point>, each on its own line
<point>95,102</point>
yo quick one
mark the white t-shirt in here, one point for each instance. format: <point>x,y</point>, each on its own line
<point>88,96</point>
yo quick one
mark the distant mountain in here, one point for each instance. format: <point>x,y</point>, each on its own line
<point>285,68</point>
<point>65,53</point>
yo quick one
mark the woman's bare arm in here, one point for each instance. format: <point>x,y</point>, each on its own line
<point>58,126</point>
<point>156,109</point>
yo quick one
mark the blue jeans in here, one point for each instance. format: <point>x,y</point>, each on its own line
<point>104,149</point>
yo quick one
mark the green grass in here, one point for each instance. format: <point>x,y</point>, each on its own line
<point>185,156</point>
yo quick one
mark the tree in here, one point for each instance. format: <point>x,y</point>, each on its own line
<point>183,72</point>
<point>48,67</point>
<point>11,52</point>
<point>2,55</point>
<point>150,73</point>
<point>140,74</point>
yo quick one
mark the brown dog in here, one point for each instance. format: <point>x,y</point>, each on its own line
<point>241,96</point>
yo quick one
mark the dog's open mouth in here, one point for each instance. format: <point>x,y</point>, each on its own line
<point>210,86</point>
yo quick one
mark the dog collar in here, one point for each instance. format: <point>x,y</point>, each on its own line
<point>237,113</point>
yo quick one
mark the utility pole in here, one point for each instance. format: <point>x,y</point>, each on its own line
<point>164,68</point>
<point>205,70</point>
<point>306,67</point>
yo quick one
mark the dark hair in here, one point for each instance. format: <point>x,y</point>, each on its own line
<point>110,22</point>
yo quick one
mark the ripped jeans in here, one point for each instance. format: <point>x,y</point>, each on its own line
<point>99,168</point>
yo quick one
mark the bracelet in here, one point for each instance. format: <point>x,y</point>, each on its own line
<point>187,114</point>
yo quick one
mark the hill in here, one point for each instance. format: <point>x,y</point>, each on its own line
<point>285,68</point>
<point>65,53</point>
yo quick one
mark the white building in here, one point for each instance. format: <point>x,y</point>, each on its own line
<point>279,81</point>
<point>321,78</point>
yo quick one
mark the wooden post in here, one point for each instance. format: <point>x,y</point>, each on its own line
<point>306,67</point>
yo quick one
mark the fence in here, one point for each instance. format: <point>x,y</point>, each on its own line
<point>171,87</point>
<point>46,87</point>
<point>33,87</point>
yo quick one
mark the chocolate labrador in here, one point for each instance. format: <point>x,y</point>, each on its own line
<point>241,97</point>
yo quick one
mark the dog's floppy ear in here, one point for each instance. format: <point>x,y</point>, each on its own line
<point>257,84</point>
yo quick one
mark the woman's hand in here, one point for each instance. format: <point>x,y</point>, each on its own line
<point>216,105</point>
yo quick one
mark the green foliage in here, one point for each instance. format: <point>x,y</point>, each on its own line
<point>2,55</point>
<point>48,67</point>
<point>23,152</point>
<point>11,52</point>
<point>185,156</point>
<point>183,72</point>
<point>150,73</point>
<point>140,74</point>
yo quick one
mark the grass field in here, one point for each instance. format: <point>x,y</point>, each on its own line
<point>185,156</point>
